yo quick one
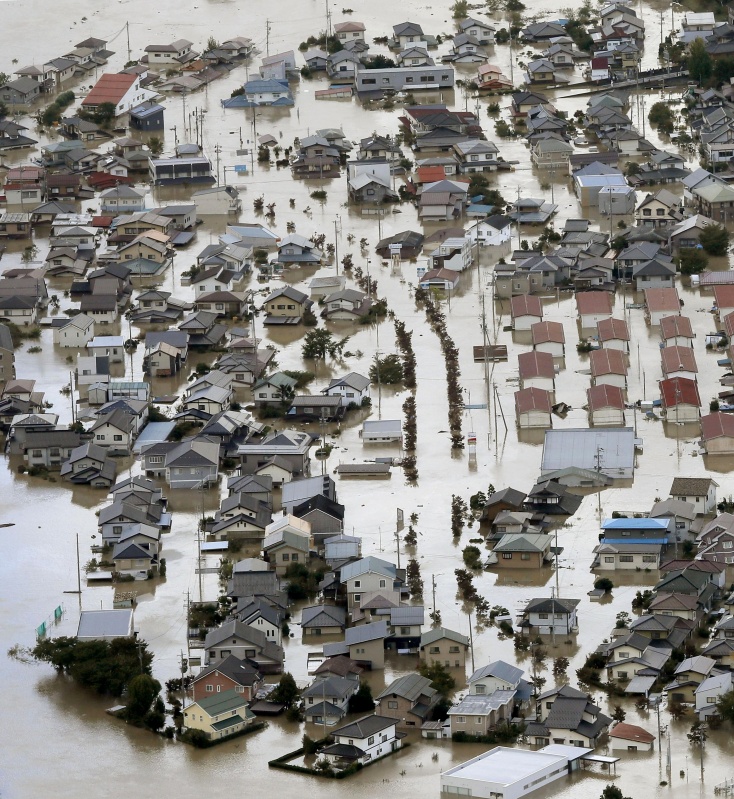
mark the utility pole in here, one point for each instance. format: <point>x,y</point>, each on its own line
<point>471,642</point>
<point>217,151</point>
<point>71,391</point>
<point>336,245</point>
<point>184,669</point>
<point>397,545</point>
<point>127,28</point>
<point>267,37</point>
<point>433,591</point>
<point>78,569</point>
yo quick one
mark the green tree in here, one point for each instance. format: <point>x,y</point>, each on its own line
<point>700,65</point>
<point>619,713</point>
<point>142,691</point>
<point>714,239</point>
<point>460,9</point>
<point>439,676</point>
<point>692,261</point>
<point>612,792</point>
<point>155,145</point>
<point>386,371</point>
<point>3,109</point>
<point>286,692</point>
<point>362,701</point>
<point>725,706</point>
<point>697,735</point>
<point>317,344</point>
<point>662,117</point>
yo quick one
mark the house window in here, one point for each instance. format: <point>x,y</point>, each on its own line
<point>405,631</point>
<point>117,529</point>
<point>357,583</point>
<point>608,560</point>
<point>626,559</point>
<point>382,583</point>
<point>461,719</point>
<point>507,555</point>
<point>210,688</point>
<point>434,650</point>
<point>117,438</point>
<point>286,557</point>
<point>477,719</point>
<point>370,740</point>
<point>525,556</point>
<point>481,689</point>
<point>392,705</point>
<point>542,615</point>
<point>357,598</point>
<point>453,650</point>
<point>648,558</point>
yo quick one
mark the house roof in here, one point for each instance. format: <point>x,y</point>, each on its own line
<point>593,302</point>
<point>365,727</point>
<point>367,632</point>
<point>663,299</point>
<point>717,425</point>
<point>676,358</point>
<point>631,732</point>
<point>439,633</point>
<point>526,305</point>
<point>552,605</point>
<point>543,332</point>
<point>535,364</point>
<point>679,391</point>
<point>410,687</point>
<point>532,399</point>
<point>605,396</point>
<point>339,687</point>
<point>339,665</point>
<point>607,362</point>
<point>223,702</point>
<point>367,565</point>
<point>323,616</point>
<point>676,325</point>
<point>691,486</point>
<point>104,623</point>
<point>523,542</point>
<point>500,670</point>
<point>110,88</point>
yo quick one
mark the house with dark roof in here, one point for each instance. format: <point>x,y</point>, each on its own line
<point>550,615</point>
<point>566,715</point>
<point>326,700</point>
<point>506,499</point>
<point>323,620</point>
<point>89,464</point>
<point>444,646</point>
<point>232,674</point>
<point>236,638</point>
<point>408,699</point>
<point>699,491</point>
<point>522,551</point>
<point>363,741</point>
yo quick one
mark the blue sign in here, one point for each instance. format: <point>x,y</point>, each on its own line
<point>240,169</point>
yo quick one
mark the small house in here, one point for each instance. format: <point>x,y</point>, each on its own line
<point>680,399</point>
<point>363,741</point>
<point>533,408</point>
<point>613,334</point>
<point>608,367</point>
<point>593,307</point>
<point>220,715</point>
<point>536,370</point>
<point>321,620</point>
<point>76,333</point>
<point>676,331</point>
<point>550,616</point>
<point>679,362</point>
<point>630,738</point>
<point>232,674</point>
<point>522,551</point>
<point>408,699</point>
<point>549,337</point>
<point>605,403</point>
<point>717,433</point>
<point>444,646</point>
<point>699,491</point>
<point>659,303</point>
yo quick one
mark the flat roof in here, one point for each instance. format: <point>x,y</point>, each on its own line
<point>504,766</point>
<point>615,448</point>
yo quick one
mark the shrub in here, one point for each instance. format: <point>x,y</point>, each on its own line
<point>604,583</point>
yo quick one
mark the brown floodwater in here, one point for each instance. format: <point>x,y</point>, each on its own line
<point>60,742</point>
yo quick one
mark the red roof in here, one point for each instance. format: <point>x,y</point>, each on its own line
<point>532,399</point>
<point>430,174</point>
<point>728,322</point>
<point>102,221</point>
<point>679,391</point>
<point>724,296</point>
<point>662,300</point>
<point>543,332</point>
<point>110,88</point>
<point>631,732</point>
<point>589,302</point>
<point>717,425</point>
<point>673,326</point>
<point>611,328</point>
<point>607,362</point>
<point>605,396</point>
<point>525,305</point>
<point>678,359</point>
<point>535,364</point>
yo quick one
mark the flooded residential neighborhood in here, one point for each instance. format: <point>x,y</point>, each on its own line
<point>366,395</point>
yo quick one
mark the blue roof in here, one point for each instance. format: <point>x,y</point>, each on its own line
<point>635,524</point>
<point>271,85</point>
<point>143,111</point>
<point>238,101</point>
<point>628,540</point>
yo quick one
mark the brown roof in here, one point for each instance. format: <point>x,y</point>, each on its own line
<point>599,397</point>
<point>631,732</point>
<point>677,359</point>
<point>691,486</point>
<point>543,332</point>
<point>532,399</point>
<point>593,302</point>
<point>110,88</point>
<point>607,362</point>
<point>662,300</point>
<point>430,174</point>
<point>724,296</point>
<point>717,425</point>
<point>535,364</point>
<point>526,305</point>
<point>679,601</point>
<point>612,328</point>
<point>679,391</point>
<point>340,665</point>
<point>672,326</point>
<point>728,322</point>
